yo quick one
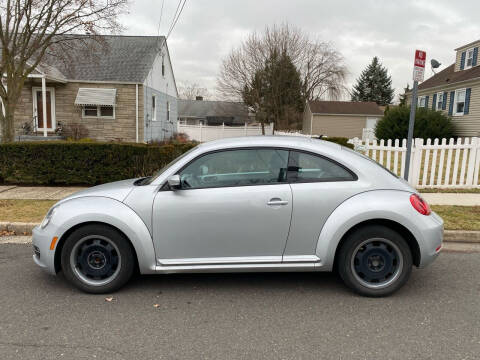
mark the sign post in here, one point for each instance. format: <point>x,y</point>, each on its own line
<point>418,74</point>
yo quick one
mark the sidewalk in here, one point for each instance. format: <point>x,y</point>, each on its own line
<point>57,193</point>
<point>36,192</point>
<point>461,199</point>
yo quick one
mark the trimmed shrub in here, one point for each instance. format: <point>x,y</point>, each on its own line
<point>82,163</point>
<point>339,140</point>
<point>428,124</point>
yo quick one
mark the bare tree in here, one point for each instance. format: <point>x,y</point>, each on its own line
<point>30,30</point>
<point>190,91</point>
<point>321,66</point>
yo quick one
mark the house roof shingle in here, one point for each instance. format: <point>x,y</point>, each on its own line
<point>118,58</point>
<point>449,76</point>
<point>203,108</point>
<point>345,107</point>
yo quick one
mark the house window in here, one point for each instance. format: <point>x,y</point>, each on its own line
<point>99,111</point>
<point>106,111</point>
<point>422,101</point>
<point>459,104</point>
<point>154,108</point>
<point>168,111</point>
<point>469,59</point>
<point>163,65</point>
<point>439,104</point>
<point>90,110</point>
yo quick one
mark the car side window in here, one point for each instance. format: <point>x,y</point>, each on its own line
<point>304,167</point>
<point>240,167</point>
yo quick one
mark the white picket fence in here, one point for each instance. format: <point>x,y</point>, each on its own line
<point>204,133</point>
<point>434,164</point>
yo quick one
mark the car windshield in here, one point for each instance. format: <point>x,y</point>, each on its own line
<point>150,179</point>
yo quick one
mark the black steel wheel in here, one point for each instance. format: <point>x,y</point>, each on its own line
<point>375,261</point>
<point>97,259</point>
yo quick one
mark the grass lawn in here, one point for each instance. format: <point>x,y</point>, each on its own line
<point>24,210</point>
<point>455,217</point>
<point>459,217</point>
<point>455,191</point>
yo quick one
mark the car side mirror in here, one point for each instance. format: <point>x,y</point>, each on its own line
<point>174,182</point>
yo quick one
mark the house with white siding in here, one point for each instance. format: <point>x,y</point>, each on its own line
<point>456,91</point>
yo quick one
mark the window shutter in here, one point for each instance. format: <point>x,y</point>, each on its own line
<point>444,104</point>
<point>426,102</point>
<point>467,101</point>
<point>450,107</point>
<point>475,56</point>
<point>434,101</point>
<point>462,60</point>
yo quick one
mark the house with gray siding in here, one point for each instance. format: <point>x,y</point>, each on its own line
<point>124,92</point>
<point>456,91</point>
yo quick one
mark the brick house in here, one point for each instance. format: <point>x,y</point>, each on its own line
<point>126,93</point>
<point>456,91</point>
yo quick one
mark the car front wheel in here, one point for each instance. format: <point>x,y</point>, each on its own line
<point>97,259</point>
<point>375,261</point>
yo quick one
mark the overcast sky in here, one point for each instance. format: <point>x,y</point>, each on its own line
<point>360,29</point>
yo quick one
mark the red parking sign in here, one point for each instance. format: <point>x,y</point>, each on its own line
<point>420,57</point>
<point>419,65</point>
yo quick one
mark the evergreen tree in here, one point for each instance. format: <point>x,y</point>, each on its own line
<point>276,91</point>
<point>403,97</point>
<point>374,84</point>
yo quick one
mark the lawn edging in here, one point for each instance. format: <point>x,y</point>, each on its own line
<point>459,236</point>
<point>19,228</point>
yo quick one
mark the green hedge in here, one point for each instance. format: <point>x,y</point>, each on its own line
<point>67,163</point>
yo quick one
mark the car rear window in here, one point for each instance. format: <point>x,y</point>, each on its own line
<point>371,160</point>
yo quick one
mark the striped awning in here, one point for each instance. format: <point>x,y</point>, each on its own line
<point>96,96</point>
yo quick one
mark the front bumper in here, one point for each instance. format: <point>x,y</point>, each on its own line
<point>41,240</point>
<point>432,238</point>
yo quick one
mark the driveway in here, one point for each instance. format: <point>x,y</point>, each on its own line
<point>232,316</point>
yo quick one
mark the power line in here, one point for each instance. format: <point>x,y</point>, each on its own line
<point>160,20</point>
<point>174,15</point>
<point>178,16</point>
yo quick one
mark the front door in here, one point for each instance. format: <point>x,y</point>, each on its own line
<point>233,207</point>
<point>40,122</point>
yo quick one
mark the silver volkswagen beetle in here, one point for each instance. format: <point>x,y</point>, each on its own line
<point>246,204</point>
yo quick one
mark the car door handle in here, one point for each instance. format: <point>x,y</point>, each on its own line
<point>277,201</point>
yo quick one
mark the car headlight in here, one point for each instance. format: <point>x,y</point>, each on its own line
<point>48,217</point>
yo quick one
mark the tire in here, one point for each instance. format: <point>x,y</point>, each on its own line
<point>97,259</point>
<point>375,261</point>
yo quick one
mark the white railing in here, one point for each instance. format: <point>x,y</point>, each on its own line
<point>368,134</point>
<point>292,133</point>
<point>204,133</point>
<point>433,164</point>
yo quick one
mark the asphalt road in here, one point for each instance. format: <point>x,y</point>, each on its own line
<point>231,316</point>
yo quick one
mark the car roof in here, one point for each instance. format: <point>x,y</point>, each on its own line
<point>276,141</point>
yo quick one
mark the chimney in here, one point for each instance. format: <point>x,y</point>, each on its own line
<point>199,98</point>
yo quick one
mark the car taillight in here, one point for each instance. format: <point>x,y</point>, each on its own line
<point>420,205</point>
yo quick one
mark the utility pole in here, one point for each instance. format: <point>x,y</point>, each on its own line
<point>418,74</point>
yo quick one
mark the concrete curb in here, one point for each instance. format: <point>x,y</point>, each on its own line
<point>19,228</point>
<point>458,236</point>
<point>462,236</point>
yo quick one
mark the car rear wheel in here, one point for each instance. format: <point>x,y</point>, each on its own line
<point>375,261</point>
<point>97,259</point>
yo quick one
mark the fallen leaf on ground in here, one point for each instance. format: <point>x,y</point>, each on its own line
<point>156,305</point>
<point>109,299</point>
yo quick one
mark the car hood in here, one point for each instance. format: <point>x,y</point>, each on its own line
<point>117,190</point>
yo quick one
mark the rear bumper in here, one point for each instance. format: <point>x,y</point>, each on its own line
<point>432,239</point>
